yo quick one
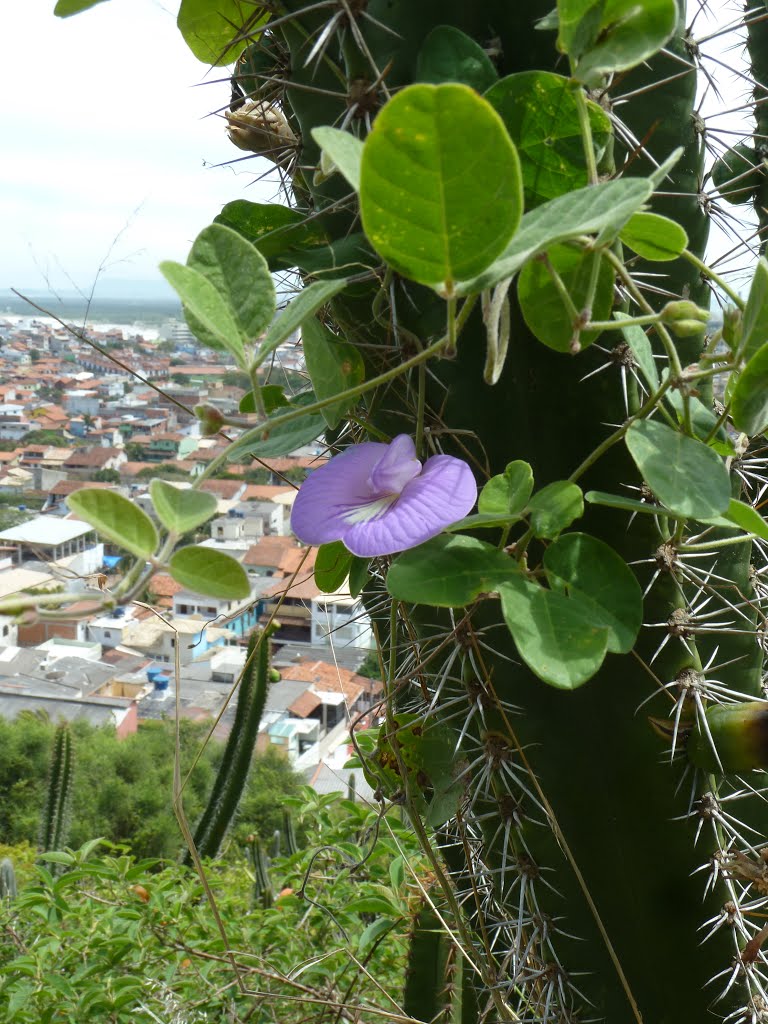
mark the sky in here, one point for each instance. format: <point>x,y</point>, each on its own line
<point>108,151</point>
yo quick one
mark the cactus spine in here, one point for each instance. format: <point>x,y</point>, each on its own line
<point>238,752</point>
<point>54,827</point>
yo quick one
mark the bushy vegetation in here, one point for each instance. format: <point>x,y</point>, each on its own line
<point>122,789</point>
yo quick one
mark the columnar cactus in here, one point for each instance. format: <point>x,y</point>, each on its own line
<point>8,885</point>
<point>55,819</point>
<point>238,752</point>
<point>499,218</point>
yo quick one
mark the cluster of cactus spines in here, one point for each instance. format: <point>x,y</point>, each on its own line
<point>55,820</point>
<point>238,751</point>
<point>575,854</point>
<point>263,892</point>
<point>8,885</point>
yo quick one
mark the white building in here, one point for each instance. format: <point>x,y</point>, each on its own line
<point>67,544</point>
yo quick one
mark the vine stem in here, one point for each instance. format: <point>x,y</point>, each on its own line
<point>710,273</point>
<point>586,131</point>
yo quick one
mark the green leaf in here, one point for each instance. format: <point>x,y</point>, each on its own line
<point>332,566</point>
<point>541,115</point>
<point>603,583</point>
<point>373,931</point>
<point>654,237</point>
<point>66,8</point>
<point>487,521</point>
<point>344,149</point>
<point>116,518</point>
<point>239,273</point>
<point>440,189</point>
<point>306,303</point>
<point>181,510</point>
<point>641,349</point>
<point>595,209</point>
<point>747,518</point>
<point>333,366</point>
<point>448,571</point>
<point>749,401</point>
<point>358,575</point>
<point>555,636</point>
<point>555,507</point>
<point>283,439</point>
<point>274,229</point>
<point>613,35</point>
<point>374,905</point>
<point>272,395</point>
<point>542,305</point>
<point>507,493</point>
<point>754,330</point>
<point>210,572</point>
<point>684,474</point>
<point>214,323</point>
<point>209,29</point>
<point>703,421</point>
<point>448,55</point>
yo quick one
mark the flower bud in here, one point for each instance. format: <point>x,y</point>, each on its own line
<point>684,318</point>
<point>211,420</point>
<point>732,326</point>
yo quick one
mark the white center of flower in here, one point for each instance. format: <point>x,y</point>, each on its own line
<point>370,510</point>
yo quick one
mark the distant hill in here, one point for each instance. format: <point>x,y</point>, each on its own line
<point>115,301</point>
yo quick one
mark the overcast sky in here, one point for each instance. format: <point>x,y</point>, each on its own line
<point>103,132</point>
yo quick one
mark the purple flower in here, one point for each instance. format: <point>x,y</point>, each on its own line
<point>378,498</point>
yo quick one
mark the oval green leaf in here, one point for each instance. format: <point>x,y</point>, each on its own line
<point>555,507</point>
<point>641,349</point>
<point>441,188</point>
<point>749,402</point>
<point>239,273</point>
<point>654,237</point>
<point>214,324</point>
<point>507,493</point>
<point>593,574</point>
<point>332,566</point>
<point>448,55</point>
<point>541,303</point>
<point>66,8</point>
<point>209,572</point>
<point>541,115</point>
<point>684,474</point>
<point>614,35</point>
<point>181,510</point>
<point>283,438</point>
<point>555,636</point>
<point>117,519</point>
<point>275,230</point>
<point>209,28</point>
<point>448,572</point>
<point>333,366</point>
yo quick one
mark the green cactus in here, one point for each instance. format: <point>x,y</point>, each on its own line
<point>548,659</point>
<point>8,886</point>
<point>238,752</point>
<point>54,826</point>
<point>291,846</point>
<point>263,892</point>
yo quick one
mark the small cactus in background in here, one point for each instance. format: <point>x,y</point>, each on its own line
<point>8,886</point>
<point>291,846</point>
<point>238,752</point>
<point>55,819</point>
<point>276,841</point>
<point>263,891</point>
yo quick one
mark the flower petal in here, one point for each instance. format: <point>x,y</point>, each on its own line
<point>397,466</point>
<point>333,491</point>
<point>444,491</point>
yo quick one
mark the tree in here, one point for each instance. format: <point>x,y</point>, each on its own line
<point>106,476</point>
<point>47,437</point>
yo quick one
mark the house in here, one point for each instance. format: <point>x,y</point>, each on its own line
<point>59,492</point>
<point>66,543</point>
<point>84,462</point>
